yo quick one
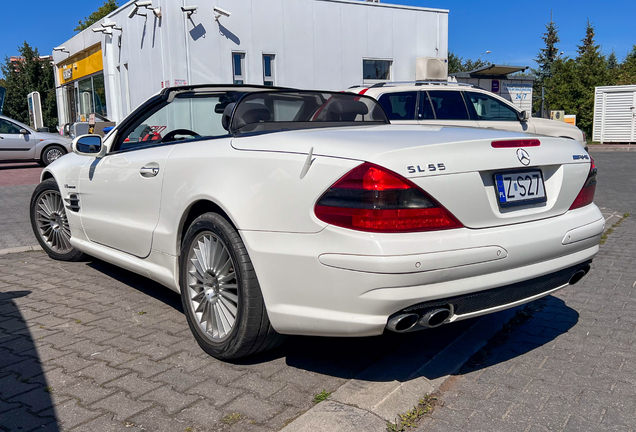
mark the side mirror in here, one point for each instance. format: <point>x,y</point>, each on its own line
<point>89,145</point>
<point>524,116</point>
<point>24,132</point>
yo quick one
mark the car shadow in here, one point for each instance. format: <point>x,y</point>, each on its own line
<point>25,399</point>
<point>401,355</point>
<point>535,325</point>
<point>140,283</point>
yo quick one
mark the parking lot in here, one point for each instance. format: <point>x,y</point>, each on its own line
<point>88,346</point>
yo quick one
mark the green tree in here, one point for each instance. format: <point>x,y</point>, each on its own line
<point>563,88</point>
<point>108,7</point>
<point>548,55</point>
<point>545,60</point>
<point>454,63</point>
<point>25,76</point>
<point>592,71</point>
<point>458,64</point>
<point>627,69</point>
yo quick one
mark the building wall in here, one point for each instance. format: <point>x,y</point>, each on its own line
<point>318,44</point>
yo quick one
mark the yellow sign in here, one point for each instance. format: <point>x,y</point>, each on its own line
<point>80,65</point>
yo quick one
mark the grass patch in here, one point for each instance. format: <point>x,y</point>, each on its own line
<point>322,396</point>
<point>231,419</point>
<point>611,229</point>
<point>412,417</point>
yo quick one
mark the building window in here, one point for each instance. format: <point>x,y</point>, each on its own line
<point>268,69</point>
<point>238,67</point>
<point>376,70</point>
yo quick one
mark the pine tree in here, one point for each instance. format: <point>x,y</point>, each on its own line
<point>548,55</point>
<point>592,71</point>
<point>25,76</point>
<point>627,69</point>
<point>545,59</point>
<point>108,7</point>
<point>612,61</point>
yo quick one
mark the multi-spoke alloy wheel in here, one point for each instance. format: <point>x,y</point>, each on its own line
<point>51,154</point>
<point>212,286</point>
<point>50,223</point>
<point>220,293</point>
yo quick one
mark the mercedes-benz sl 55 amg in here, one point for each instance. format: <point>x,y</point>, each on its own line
<point>277,212</point>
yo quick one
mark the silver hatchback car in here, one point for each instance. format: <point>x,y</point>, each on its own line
<point>19,142</point>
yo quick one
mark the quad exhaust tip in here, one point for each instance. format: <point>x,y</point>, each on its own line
<point>403,323</point>
<point>435,317</point>
<point>430,319</point>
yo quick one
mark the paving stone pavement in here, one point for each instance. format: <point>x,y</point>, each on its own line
<point>15,225</point>
<point>567,364</point>
<point>90,347</point>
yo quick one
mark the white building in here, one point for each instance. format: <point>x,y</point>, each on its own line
<point>312,44</point>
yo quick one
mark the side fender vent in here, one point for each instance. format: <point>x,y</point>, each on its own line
<point>72,203</point>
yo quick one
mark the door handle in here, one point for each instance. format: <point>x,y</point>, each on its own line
<point>149,171</point>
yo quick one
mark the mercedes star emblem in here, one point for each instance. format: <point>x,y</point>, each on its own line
<point>523,156</point>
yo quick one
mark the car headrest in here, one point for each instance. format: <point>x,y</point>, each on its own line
<point>251,112</point>
<point>346,110</point>
<point>227,115</point>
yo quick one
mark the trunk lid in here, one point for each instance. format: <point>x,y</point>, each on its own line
<point>456,166</point>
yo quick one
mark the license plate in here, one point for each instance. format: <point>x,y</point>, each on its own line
<point>520,188</point>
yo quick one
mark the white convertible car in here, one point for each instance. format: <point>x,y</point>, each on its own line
<point>276,211</point>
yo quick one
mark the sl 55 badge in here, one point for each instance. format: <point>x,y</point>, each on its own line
<point>412,169</point>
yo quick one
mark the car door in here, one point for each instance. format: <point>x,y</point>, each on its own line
<point>400,107</point>
<point>444,108</point>
<point>120,194</point>
<point>120,198</point>
<point>492,113</point>
<point>13,144</point>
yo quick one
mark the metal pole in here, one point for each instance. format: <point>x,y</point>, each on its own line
<point>542,99</point>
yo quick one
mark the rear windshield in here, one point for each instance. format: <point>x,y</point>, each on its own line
<point>284,110</point>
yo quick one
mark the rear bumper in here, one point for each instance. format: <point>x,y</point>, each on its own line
<point>341,282</point>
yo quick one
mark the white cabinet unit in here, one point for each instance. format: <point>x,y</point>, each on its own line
<point>615,114</point>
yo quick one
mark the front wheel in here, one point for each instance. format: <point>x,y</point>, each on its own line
<point>221,296</point>
<point>50,224</point>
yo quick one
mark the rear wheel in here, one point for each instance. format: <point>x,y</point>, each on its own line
<point>50,224</point>
<point>221,296</point>
<point>51,154</point>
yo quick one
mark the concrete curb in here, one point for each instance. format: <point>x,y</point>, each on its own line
<point>606,147</point>
<point>20,249</point>
<point>361,404</point>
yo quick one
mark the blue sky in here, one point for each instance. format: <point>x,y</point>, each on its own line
<point>510,29</point>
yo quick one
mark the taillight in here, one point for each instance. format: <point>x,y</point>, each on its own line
<point>586,196</point>
<point>372,198</point>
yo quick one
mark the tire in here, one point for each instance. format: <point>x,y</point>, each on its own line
<point>50,224</point>
<point>216,290</point>
<point>51,154</point>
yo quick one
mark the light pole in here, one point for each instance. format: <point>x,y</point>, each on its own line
<point>487,52</point>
